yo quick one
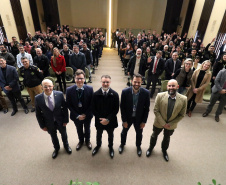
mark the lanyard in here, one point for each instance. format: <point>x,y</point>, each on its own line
<point>79,96</point>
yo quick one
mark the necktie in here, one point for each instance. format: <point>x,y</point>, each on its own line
<point>105,94</point>
<point>79,92</point>
<point>155,66</point>
<point>50,102</point>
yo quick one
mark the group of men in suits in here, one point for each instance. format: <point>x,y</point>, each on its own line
<point>83,103</point>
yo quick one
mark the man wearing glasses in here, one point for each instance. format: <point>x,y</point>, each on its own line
<point>78,98</point>
<point>105,106</point>
<point>52,115</point>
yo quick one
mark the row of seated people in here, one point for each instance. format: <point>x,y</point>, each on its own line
<point>201,66</point>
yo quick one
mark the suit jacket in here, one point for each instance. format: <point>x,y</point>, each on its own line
<point>45,116</point>
<point>132,63</point>
<point>160,66</point>
<point>219,81</point>
<point>142,109</point>
<point>72,102</point>
<point>169,65</point>
<point>161,106</point>
<point>105,107</point>
<point>78,62</point>
<point>12,79</point>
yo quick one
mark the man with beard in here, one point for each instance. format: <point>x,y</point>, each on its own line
<point>105,106</point>
<point>170,107</point>
<point>135,102</point>
<point>10,60</point>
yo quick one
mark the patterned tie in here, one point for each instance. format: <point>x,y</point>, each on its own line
<point>50,102</point>
<point>155,66</point>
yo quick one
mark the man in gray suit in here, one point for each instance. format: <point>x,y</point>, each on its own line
<point>218,93</point>
<point>9,82</point>
<point>52,115</point>
<point>170,107</point>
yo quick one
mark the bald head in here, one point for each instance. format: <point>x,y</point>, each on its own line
<point>172,87</point>
<point>47,86</point>
<point>39,52</point>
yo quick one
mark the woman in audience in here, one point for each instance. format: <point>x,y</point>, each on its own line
<point>49,52</point>
<point>183,76</point>
<point>199,81</point>
<point>196,63</point>
<point>59,67</point>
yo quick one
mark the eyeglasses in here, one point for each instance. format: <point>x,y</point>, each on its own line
<point>188,64</point>
<point>79,78</point>
<point>50,86</point>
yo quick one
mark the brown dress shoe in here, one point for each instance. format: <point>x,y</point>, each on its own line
<point>89,145</point>
<point>189,113</point>
<point>79,145</point>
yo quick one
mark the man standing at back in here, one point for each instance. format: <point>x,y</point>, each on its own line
<point>170,108</point>
<point>135,102</point>
<point>52,115</point>
<point>171,66</point>
<point>78,98</point>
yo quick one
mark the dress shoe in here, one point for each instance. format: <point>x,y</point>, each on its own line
<point>205,114</point>
<point>149,151</point>
<point>217,118</point>
<point>121,148</point>
<point>189,113</point>
<point>79,145</point>
<point>14,112</point>
<point>55,153</point>
<point>5,110</point>
<point>33,110</point>
<point>95,150</point>
<point>68,149</point>
<point>89,145</point>
<point>139,151</point>
<point>111,152</point>
<point>26,111</point>
<point>165,156</point>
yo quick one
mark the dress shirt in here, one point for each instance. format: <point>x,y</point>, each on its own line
<point>137,65</point>
<point>46,99</point>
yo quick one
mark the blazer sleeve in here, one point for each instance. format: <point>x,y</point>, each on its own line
<point>157,112</point>
<point>39,114</point>
<point>123,106</point>
<point>15,78</point>
<point>217,81</point>
<point>64,109</point>
<point>181,113</point>
<point>115,108</point>
<point>146,108</point>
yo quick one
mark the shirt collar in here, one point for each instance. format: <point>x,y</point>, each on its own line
<point>137,92</point>
<point>80,88</point>
<point>174,98</point>
<point>105,91</point>
<point>46,96</point>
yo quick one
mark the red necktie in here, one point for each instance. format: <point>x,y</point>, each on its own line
<point>155,66</point>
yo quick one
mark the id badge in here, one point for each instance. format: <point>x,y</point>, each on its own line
<point>79,104</point>
<point>134,108</point>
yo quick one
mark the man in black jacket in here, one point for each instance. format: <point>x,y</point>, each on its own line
<point>42,62</point>
<point>10,59</point>
<point>171,66</point>
<point>105,106</point>
<point>156,67</point>
<point>77,60</point>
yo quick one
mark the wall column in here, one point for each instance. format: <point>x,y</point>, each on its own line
<point>27,16</point>
<point>41,15</point>
<point>195,18</point>
<point>8,19</point>
<point>215,20</point>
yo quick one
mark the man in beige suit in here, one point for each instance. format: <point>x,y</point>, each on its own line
<point>170,108</point>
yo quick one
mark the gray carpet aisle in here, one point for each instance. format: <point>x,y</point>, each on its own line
<point>197,150</point>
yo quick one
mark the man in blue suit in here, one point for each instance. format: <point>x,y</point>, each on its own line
<point>79,98</point>
<point>135,102</point>
<point>9,82</point>
<point>52,115</point>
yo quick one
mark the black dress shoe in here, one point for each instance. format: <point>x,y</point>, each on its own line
<point>33,110</point>
<point>217,118</point>
<point>5,110</point>
<point>111,152</point>
<point>14,112</point>
<point>26,111</point>
<point>89,145</point>
<point>55,153</point>
<point>79,145</point>
<point>205,114</point>
<point>165,156</point>
<point>139,151</point>
<point>95,150</point>
<point>149,151</point>
<point>68,149</point>
<point>121,148</point>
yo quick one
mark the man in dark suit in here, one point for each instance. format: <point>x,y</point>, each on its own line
<point>77,60</point>
<point>156,67</point>
<point>9,82</point>
<point>78,98</point>
<point>135,102</point>
<point>171,66</point>
<point>52,115</point>
<point>105,106</point>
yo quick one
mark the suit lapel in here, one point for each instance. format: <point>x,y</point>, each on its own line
<point>2,77</point>
<point>176,105</point>
<point>55,95</point>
